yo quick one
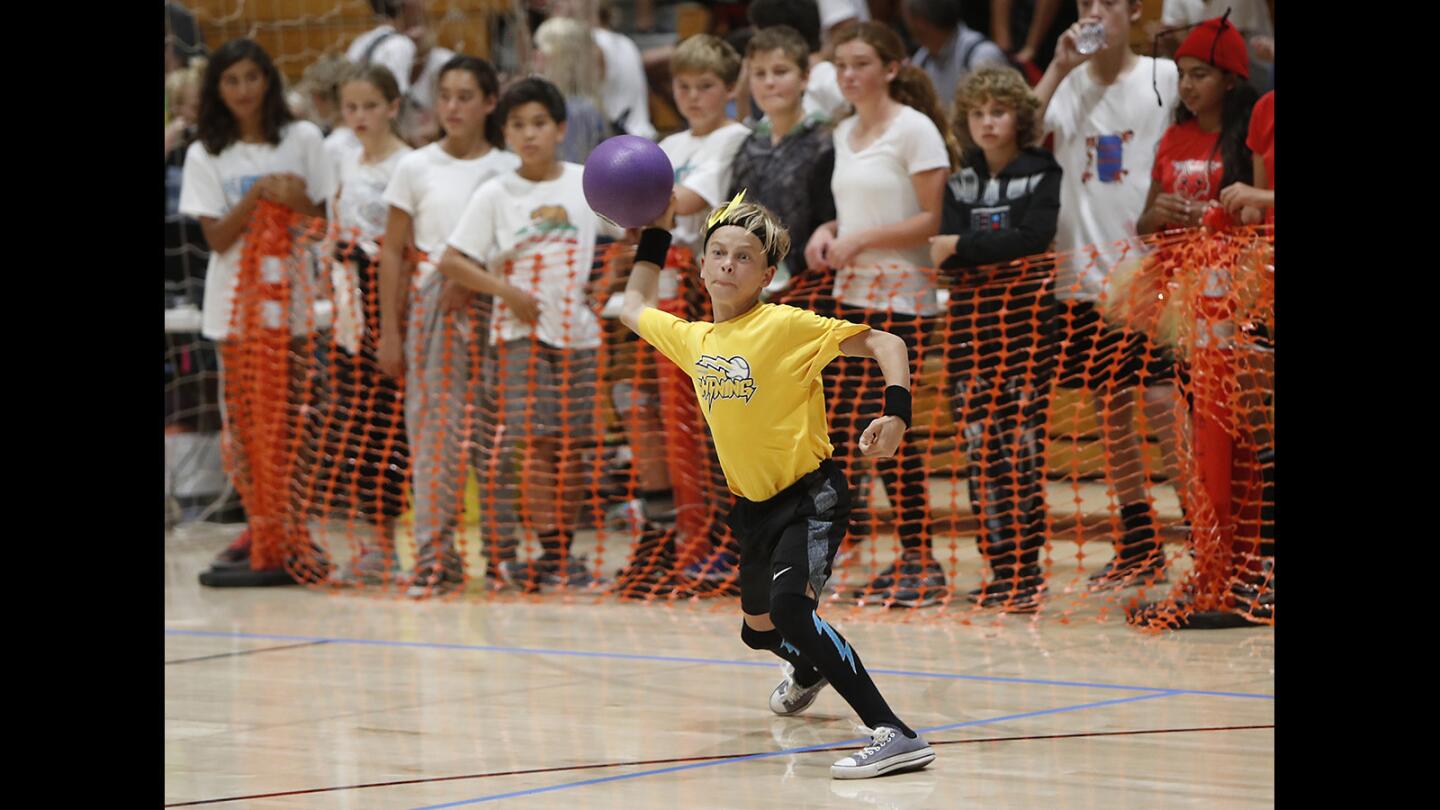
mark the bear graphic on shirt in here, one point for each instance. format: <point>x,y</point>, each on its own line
<point>550,218</point>
<point>1192,178</point>
<point>549,225</point>
<point>734,380</point>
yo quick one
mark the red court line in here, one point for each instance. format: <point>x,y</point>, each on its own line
<point>673,760</point>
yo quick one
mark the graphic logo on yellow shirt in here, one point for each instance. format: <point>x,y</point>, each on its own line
<point>736,382</point>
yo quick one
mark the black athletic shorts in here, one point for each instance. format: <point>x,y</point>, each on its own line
<point>790,540</point>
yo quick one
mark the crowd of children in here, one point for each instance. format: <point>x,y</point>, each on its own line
<point>465,316</point>
<point>463,268</point>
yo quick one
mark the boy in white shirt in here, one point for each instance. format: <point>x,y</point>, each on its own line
<point>705,70</point>
<point>822,86</point>
<point>1103,111</point>
<point>528,238</point>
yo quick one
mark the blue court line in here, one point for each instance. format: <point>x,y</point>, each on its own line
<point>804,749</point>
<point>672,659</point>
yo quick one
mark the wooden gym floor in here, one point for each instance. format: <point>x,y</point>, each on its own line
<point>296,698</point>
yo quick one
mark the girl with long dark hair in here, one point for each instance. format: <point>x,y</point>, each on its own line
<point>248,148</point>
<point>431,329</point>
<point>1204,150</point>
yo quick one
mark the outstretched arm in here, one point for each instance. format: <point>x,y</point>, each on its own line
<point>882,438</point>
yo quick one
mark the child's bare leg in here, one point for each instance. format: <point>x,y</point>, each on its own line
<point>1122,445</point>
<point>759,621</point>
<point>643,431</point>
<point>540,494</point>
<point>1160,419</point>
<point>1139,539</point>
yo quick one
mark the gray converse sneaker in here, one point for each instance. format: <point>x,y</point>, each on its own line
<point>792,698</point>
<point>889,751</point>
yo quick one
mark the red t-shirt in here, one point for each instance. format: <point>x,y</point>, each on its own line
<point>1262,134</point>
<point>1188,164</point>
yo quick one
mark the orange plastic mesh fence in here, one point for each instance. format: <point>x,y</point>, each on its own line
<point>1067,458</point>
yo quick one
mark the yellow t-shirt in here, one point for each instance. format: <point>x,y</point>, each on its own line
<point>758,381</point>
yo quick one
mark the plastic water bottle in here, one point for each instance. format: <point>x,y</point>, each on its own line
<point>1091,37</point>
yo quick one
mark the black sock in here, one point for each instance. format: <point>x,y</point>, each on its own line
<point>805,673</point>
<point>794,615</point>
<point>1141,536</point>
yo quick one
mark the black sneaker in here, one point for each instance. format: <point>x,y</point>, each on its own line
<point>1147,570</point>
<point>530,576</point>
<point>922,591</point>
<point>1139,557</point>
<point>1009,595</point>
<point>650,571</point>
<point>914,570</point>
<point>436,575</point>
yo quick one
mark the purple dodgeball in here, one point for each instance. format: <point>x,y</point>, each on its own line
<point>628,180</point>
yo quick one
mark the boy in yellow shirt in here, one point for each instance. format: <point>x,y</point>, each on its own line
<point>756,371</point>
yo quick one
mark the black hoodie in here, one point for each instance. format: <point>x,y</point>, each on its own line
<point>1005,217</point>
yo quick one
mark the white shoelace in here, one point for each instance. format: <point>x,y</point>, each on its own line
<point>882,736</point>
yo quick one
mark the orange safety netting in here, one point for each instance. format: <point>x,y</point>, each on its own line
<point>1048,437</point>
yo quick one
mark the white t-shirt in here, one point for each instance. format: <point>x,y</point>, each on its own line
<point>397,52</point>
<point>541,238</point>
<point>423,91</point>
<point>362,210</point>
<point>626,87</point>
<point>1252,17</point>
<point>1105,139</point>
<point>822,92</point>
<point>873,188</point>
<point>341,144</point>
<point>433,188</point>
<point>213,184</point>
<point>703,165</point>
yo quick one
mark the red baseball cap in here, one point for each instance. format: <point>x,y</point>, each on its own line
<point>1218,43</point>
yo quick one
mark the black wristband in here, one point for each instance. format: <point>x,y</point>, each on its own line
<point>653,247</point>
<point>897,403</point>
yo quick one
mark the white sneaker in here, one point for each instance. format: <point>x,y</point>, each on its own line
<point>889,751</point>
<point>792,698</point>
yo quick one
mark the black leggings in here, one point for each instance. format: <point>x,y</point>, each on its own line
<point>855,389</point>
<point>1000,368</point>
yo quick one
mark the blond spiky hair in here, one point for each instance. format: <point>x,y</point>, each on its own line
<point>754,218</point>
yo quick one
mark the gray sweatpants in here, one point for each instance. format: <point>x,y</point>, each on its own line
<point>443,411</point>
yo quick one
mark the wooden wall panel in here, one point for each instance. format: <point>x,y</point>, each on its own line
<point>297,32</point>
